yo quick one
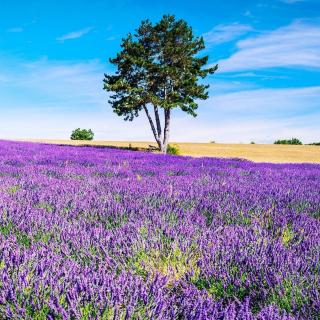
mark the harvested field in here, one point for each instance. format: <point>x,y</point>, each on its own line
<point>254,152</point>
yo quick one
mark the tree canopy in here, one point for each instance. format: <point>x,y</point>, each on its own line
<point>158,68</point>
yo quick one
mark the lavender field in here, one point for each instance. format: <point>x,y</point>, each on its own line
<point>98,233</point>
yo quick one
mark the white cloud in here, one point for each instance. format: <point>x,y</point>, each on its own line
<point>226,32</point>
<point>255,75</point>
<point>3,78</point>
<point>56,97</point>
<point>52,124</point>
<point>269,102</point>
<point>15,30</point>
<point>249,129</point>
<point>296,45</point>
<point>74,34</point>
<point>262,115</point>
<point>70,81</point>
<point>107,126</point>
<point>45,84</point>
<point>248,14</point>
<point>292,1</point>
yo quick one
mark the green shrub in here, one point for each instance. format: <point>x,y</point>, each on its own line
<point>82,134</point>
<point>293,141</point>
<point>252,142</point>
<point>314,144</point>
<point>173,149</point>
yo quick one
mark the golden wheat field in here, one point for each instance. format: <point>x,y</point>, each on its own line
<point>253,152</point>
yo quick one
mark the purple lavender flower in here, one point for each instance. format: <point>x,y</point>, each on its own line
<point>94,233</point>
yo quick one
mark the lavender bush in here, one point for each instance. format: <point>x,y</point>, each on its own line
<point>95,233</point>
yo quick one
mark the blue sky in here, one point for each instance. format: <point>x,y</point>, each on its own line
<point>53,55</point>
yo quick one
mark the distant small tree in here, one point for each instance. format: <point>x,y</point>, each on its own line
<point>82,134</point>
<point>293,141</point>
<point>159,67</point>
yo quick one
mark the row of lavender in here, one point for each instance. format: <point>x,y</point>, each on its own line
<point>96,233</point>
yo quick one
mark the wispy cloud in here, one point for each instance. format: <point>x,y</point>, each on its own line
<point>248,14</point>
<point>111,38</point>
<point>3,78</point>
<point>244,130</point>
<point>296,45</point>
<point>255,75</point>
<point>270,102</point>
<point>15,30</point>
<point>262,115</point>
<point>61,84</point>
<point>22,27</point>
<point>292,1</point>
<point>226,32</point>
<point>59,96</point>
<point>74,34</point>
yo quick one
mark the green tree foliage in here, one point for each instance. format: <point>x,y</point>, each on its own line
<point>290,141</point>
<point>158,69</point>
<point>82,134</point>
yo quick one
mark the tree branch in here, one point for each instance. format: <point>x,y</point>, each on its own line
<point>159,142</point>
<point>157,117</point>
<point>167,118</point>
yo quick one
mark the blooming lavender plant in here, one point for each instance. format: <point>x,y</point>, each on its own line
<point>94,233</point>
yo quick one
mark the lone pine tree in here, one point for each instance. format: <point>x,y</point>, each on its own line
<point>158,69</point>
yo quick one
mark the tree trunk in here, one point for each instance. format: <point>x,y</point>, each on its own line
<point>157,117</point>
<point>154,131</point>
<point>157,131</point>
<point>167,118</point>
